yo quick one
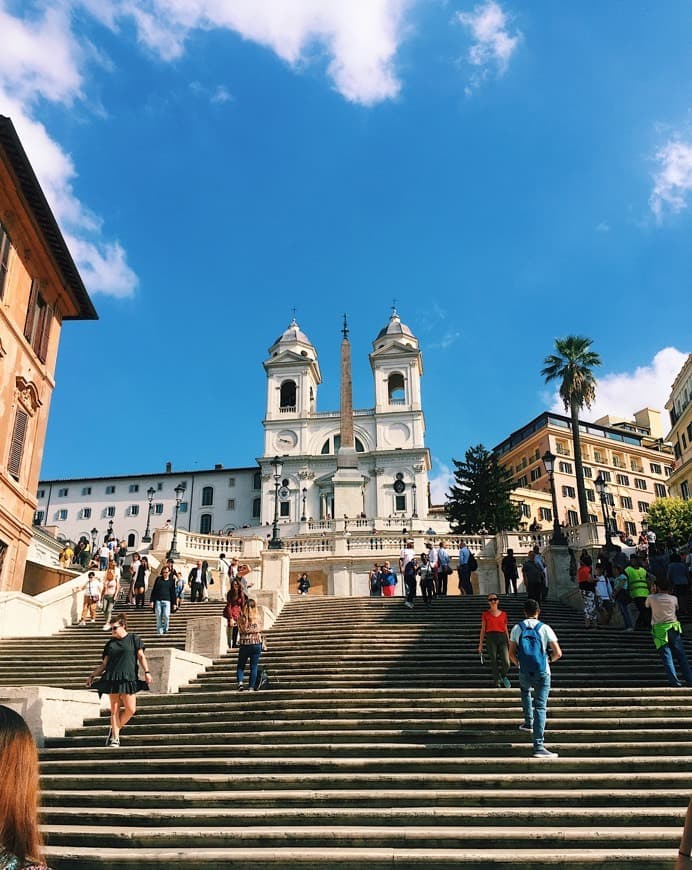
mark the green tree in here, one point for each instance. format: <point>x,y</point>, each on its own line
<point>671,517</point>
<point>572,365</point>
<point>480,497</point>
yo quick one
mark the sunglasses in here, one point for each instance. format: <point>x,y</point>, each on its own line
<point>115,627</point>
<point>493,599</point>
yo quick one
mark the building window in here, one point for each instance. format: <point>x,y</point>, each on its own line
<point>256,505</point>
<point>609,499</point>
<point>565,467</point>
<point>110,511</point>
<point>85,513</point>
<point>523,481</point>
<point>626,502</point>
<point>231,481</point>
<point>207,496</point>
<point>332,444</point>
<point>134,487</point>
<point>598,456</point>
<point>132,540</point>
<point>685,490</point>
<point>668,470</point>
<point>395,389</point>
<point>640,483</point>
<point>183,507</point>
<point>61,515</point>
<point>636,465</point>
<point>545,514</point>
<point>37,324</point>
<point>159,486</point>
<point>62,493</point>
<point>287,396</point>
<point>606,476</point>
<point>205,524</point>
<point>257,481</point>
<point>399,502</point>
<point>525,509</point>
<point>19,430</point>
<point>38,518</point>
<point>593,519</point>
<point>535,473</point>
<point>40,493</point>
<point>285,509</point>
<point>5,246</point>
<point>660,490</point>
<point>656,468</point>
<point>587,471</point>
<point>568,491</point>
<point>230,504</point>
<point>630,528</point>
<point>572,518</point>
<point>561,448</point>
<point>86,490</point>
<point>619,461</point>
<point>110,489</point>
<point>590,495</point>
<point>643,507</point>
<point>622,479</point>
<point>133,510</point>
<point>158,508</point>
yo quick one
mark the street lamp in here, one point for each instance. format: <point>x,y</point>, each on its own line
<point>94,536</point>
<point>558,536</point>
<point>275,542</point>
<point>151,492</point>
<point>414,515</point>
<point>305,495</point>
<point>173,552</point>
<point>601,488</point>
<point>645,526</point>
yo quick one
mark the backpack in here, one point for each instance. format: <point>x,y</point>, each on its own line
<point>472,563</point>
<point>533,658</point>
<point>263,681</point>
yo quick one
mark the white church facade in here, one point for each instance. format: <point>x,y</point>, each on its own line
<point>388,475</point>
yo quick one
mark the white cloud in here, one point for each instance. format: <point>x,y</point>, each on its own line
<point>493,44</point>
<point>440,482</point>
<point>603,227</point>
<point>673,180</point>
<point>620,394</point>
<point>360,37</point>
<point>42,60</point>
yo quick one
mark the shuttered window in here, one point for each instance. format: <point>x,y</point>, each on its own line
<point>5,246</point>
<point>21,424</point>
<point>38,320</point>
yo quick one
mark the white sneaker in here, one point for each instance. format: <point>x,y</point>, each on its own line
<point>106,627</point>
<point>81,622</point>
<point>544,753</point>
<point>409,604</point>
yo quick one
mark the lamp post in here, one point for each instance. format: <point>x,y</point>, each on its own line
<point>305,495</point>
<point>558,536</point>
<point>146,538</point>
<point>414,515</point>
<point>94,536</point>
<point>173,552</point>
<point>645,526</point>
<point>275,542</point>
<point>601,488</point>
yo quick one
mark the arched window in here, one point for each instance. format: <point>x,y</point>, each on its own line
<point>395,389</point>
<point>132,540</point>
<point>332,444</point>
<point>207,496</point>
<point>205,524</point>
<point>287,399</point>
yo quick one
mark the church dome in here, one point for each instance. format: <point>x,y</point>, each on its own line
<point>395,328</point>
<point>293,338</point>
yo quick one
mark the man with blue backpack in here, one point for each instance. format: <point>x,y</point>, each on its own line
<point>532,646</point>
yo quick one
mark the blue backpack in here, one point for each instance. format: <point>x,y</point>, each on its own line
<point>533,658</point>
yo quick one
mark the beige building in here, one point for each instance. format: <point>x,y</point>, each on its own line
<point>631,454</point>
<point>679,406</point>
<point>39,288</point>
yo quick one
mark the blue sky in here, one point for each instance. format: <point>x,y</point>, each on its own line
<point>508,172</point>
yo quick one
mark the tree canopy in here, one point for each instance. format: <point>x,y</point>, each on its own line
<point>480,496</point>
<point>671,517</point>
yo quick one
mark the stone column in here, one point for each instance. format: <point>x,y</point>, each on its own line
<point>562,586</point>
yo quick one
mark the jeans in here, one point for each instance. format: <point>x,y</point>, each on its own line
<point>624,608</point>
<point>163,612</point>
<point>410,587</point>
<point>108,605</point>
<point>251,651</point>
<point>103,563</point>
<point>465,586</point>
<point>534,700</point>
<point>675,650</point>
<point>498,653</point>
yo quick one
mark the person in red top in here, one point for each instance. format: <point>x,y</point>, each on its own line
<point>494,633</point>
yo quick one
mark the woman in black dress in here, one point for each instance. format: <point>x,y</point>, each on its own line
<point>119,677</point>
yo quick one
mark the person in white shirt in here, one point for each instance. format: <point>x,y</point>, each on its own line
<point>104,555</point>
<point>406,555</point>
<point>92,596</point>
<point>223,568</point>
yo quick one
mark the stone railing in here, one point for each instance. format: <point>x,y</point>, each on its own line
<point>310,545</point>
<point>192,546</point>
<point>24,615</point>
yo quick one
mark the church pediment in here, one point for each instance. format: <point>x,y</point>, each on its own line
<point>289,358</point>
<point>395,348</point>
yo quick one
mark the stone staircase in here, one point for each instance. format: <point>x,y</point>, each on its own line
<point>382,745</point>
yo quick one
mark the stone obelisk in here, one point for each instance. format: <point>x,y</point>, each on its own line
<point>347,478</point>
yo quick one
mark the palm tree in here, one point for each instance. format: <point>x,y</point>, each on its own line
<point>573,364</point>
